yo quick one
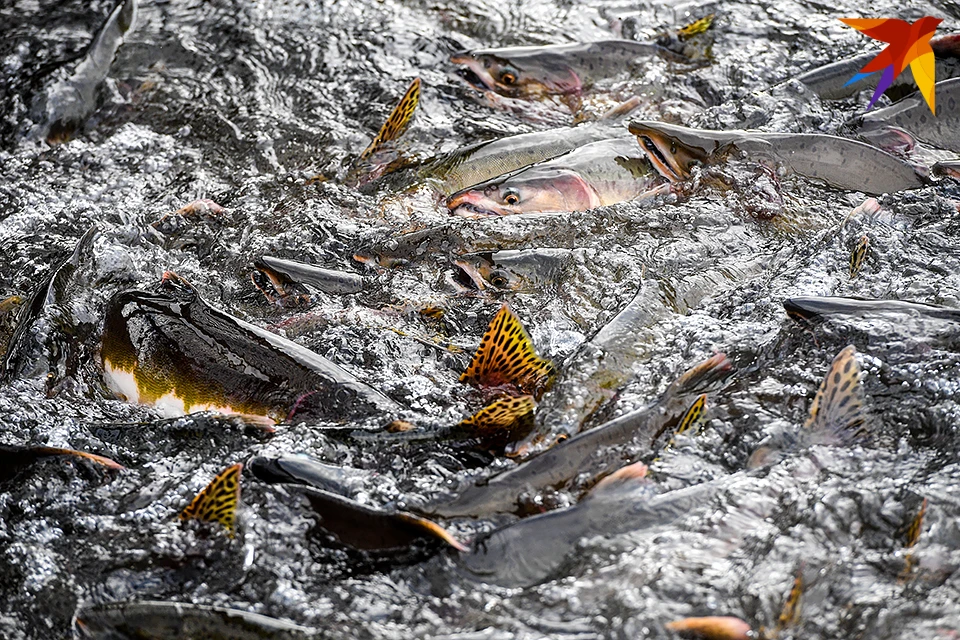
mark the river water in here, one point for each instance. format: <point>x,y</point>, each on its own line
<point>247,103</point>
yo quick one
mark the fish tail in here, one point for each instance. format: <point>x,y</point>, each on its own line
<point>397,122</point>
<point>218,501</point>
<point>509,416</point>
<point>693,418</point>
<point>857,256</point>
<point>839,406</point>
<point>506,356</point>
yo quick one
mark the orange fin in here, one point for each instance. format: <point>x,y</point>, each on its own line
<point>107,462</point>
<point>631,472</point>
<point>218,500</point>
<point>790,614</point>
<point>398,121</point>
<point>857,255</point>
<point>507,414</point>
<point>913,536</point>
<point>839,404</point>
<point>712,628</point>
<point>506,356</point>
<point>694,416</point>
<point>433,529</point>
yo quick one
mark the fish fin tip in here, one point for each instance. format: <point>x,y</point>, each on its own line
<point>397,122</point>
<point>504,414</point>
<point>636,472</point>
<point>218,501</point>
<point>839,406</point>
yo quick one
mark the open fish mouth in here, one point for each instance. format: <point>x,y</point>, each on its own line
<point>468,275</point>
<point>658,159</point>
<point>464,204</point>
<point>473,72</point>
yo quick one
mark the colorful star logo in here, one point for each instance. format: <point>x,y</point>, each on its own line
<point>909,44</point>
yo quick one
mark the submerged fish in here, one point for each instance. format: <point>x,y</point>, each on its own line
<point>559,465</point>
<point>594,175</point>
<point>832,81</point>
<point>568,70</point>
<point>155,620</point>
<point>536,549</point>
<point>525,270</point>
<point>949,168</point>
<point>484,161</point>
<point>170,349</point>
<point>301,469</point>
<point>70,102</point>
<point>913,116</point>
<point>14,459</point>
<point>286,278</point>
<point>839,162</point>
<point>712,628</point>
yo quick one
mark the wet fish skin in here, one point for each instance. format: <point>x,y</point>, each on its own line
<point>159,620</point>
<point>484,161</point>
<point>170,340</point>
<point>593,175</point>
<point>830,81</point>
<point>840,162</point>
<point>69,103</point>
<point>302,469</point>
<point>15,458</point>
<point>534,72</point>
<point>815,308</point>
<point>524,270</point>
<point>948,168</point>
<point>327,280</point>
<point>912,115</point>
<point>560,464</point>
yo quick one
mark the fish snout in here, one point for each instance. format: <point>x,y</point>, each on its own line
<point>471,203</point>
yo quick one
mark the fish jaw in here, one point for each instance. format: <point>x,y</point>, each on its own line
<point>535,190</point>
<point>532,80</point>
<point>472,268</point>
<point>671,157</point>
<point>478,69</point>
<point>476,203</point>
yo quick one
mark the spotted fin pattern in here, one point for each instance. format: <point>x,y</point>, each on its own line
<point>398,121</point>
<point>503,415</point>
<point>857,255</point>
<point>790,614</point>
<point>695,28</point>
<point>693,418</point>
<point>506,356</point>
<point>913,536</point>
<point>218,500</point>
<point>838,407</point>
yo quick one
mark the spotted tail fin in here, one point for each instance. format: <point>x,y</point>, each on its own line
<point>398,121</point>
<point>694,417</point>
<point>506,356</point>
<point>839,406</point>
<point>218,500</point>
<point>857,256</point>
<point>504,420</point>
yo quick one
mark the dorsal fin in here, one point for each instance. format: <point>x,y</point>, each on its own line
<point>693,417</point>
<point>506,356</point>
<point>857,255</point>
<point>838,407</point>
<point>696,27</point>
<point>218,500</point>
<point>790,614</point>
<point>432,529</point>
<point>398,121</point>
<point>506,419</point>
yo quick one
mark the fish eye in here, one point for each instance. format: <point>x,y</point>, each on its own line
<point>511,196</point>
<point>507,78</point>
<point>673,147</point>
<point>498,280</point>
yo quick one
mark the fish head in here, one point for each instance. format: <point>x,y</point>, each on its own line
<point>527,76</point>
<point>487,272</point>
<point>528,191</point>
<point>672,157</point>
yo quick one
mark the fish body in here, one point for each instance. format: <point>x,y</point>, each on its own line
<point>155,620</point>
<point>301,469</point>
<point>948,168</point>
<point>839,162</point>
<point>560,464</point>
<point>912,115</point>
<point>594,175</point>
<point>294,271</point>
<point>832,81</point>
<point>70,102</point>
<point>534,72</point>
<point>170,349</point>
<point>486,160</point>
<point>524,270</point>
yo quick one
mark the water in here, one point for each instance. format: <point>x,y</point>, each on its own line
<point>242,103</point>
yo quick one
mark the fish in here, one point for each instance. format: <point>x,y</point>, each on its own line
<point>712,628</point>
<point>594,175</point>
<point>594,373</point>
<point>369,529</point>
<point>512,270</point>
<point>170,349</point>
<point>67,104</point>
<point>811,308</point>
<point>839,162</point>
<point>560,464</point>
<point>302,469</point>
<point>832,81</point>
<point>566,70</point>
<point>912,115</point>
<point>536,549</point>
<point>286,277</point>
<point>857,256</point>
<point>947,168</point>
<point>218,501</point>
<point>483,161</point>
<point>910,561</point>
<point>14,459</point>
<point>158,620</point>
